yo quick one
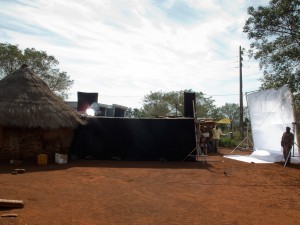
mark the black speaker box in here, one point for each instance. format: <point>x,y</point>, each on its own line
<point>189,104</point>
<point>85,100</point>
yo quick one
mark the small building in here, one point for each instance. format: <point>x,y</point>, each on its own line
<point>33,120</point>
<point>103,110</point>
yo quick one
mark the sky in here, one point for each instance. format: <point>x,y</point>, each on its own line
<point>126,49</point>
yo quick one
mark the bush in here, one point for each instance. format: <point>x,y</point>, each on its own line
<point>228,142</point>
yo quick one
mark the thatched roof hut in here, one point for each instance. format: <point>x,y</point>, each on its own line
<point>31,115</point>
<point>27,102</point>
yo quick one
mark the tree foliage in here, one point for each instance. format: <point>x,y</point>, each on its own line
<point>134,113</point>
<point>172,104</point>
<point>275,31</point>
<point>45,66</point>
<point>231,111</point>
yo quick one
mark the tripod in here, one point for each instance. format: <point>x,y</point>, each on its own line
<point>199,154</point>
<point>290,153</point>
<point>245,142</point>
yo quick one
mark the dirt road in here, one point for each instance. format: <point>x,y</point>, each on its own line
<point>223,191</point>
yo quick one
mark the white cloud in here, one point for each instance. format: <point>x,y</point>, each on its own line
<point>125,49</point>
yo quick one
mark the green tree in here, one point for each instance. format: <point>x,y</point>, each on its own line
<point>172,104</point>
<point>134,113</point>
<point>11,58</point>
<point>155,104</point>
<point>216,114</point>
<point>45,66</point>
<point>275,31</point>
<point>231,111</point>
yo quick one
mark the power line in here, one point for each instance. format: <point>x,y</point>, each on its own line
<point>135,96</point>
<point>119,96</point>
<point>222,95</point>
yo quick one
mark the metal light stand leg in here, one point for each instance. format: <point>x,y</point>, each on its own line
<point>199,152</point>
<point>242,142</point>
<point>290,153</point>
<point>295,137</point>
<point>287,157</point>
<point>245,139</point>
<point>201,156</point>
<point>294,143</point>
<point>189,154</point>
<point>196,135</point>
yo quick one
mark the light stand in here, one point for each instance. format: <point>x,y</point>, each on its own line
<point>290,152</point>
<point>199,154</point>
<point>294,143</point>
<point>294,124</point>
<point>245,142</point>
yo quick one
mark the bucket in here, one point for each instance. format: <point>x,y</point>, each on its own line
<point>60,158</point>
<point>42,159</point>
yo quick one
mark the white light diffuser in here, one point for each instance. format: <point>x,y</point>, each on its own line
<point>271,111</point>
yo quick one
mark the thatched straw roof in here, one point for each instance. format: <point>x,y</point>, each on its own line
<point>27,102</point>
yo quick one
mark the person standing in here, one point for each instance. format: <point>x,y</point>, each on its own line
<point>287,141</point>
<point>216,132</point>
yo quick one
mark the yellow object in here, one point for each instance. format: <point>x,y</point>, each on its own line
<point>42,159</point>
<point>224,121</point>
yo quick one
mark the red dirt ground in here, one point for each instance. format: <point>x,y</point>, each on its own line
<point>87,192</point>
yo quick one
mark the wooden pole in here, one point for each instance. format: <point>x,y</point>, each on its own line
<point>241,94</point>
<point>8,203</point>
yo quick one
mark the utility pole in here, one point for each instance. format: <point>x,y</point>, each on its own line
<point>241,93</point>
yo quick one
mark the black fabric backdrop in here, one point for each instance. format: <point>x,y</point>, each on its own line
<point>134,139</point>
